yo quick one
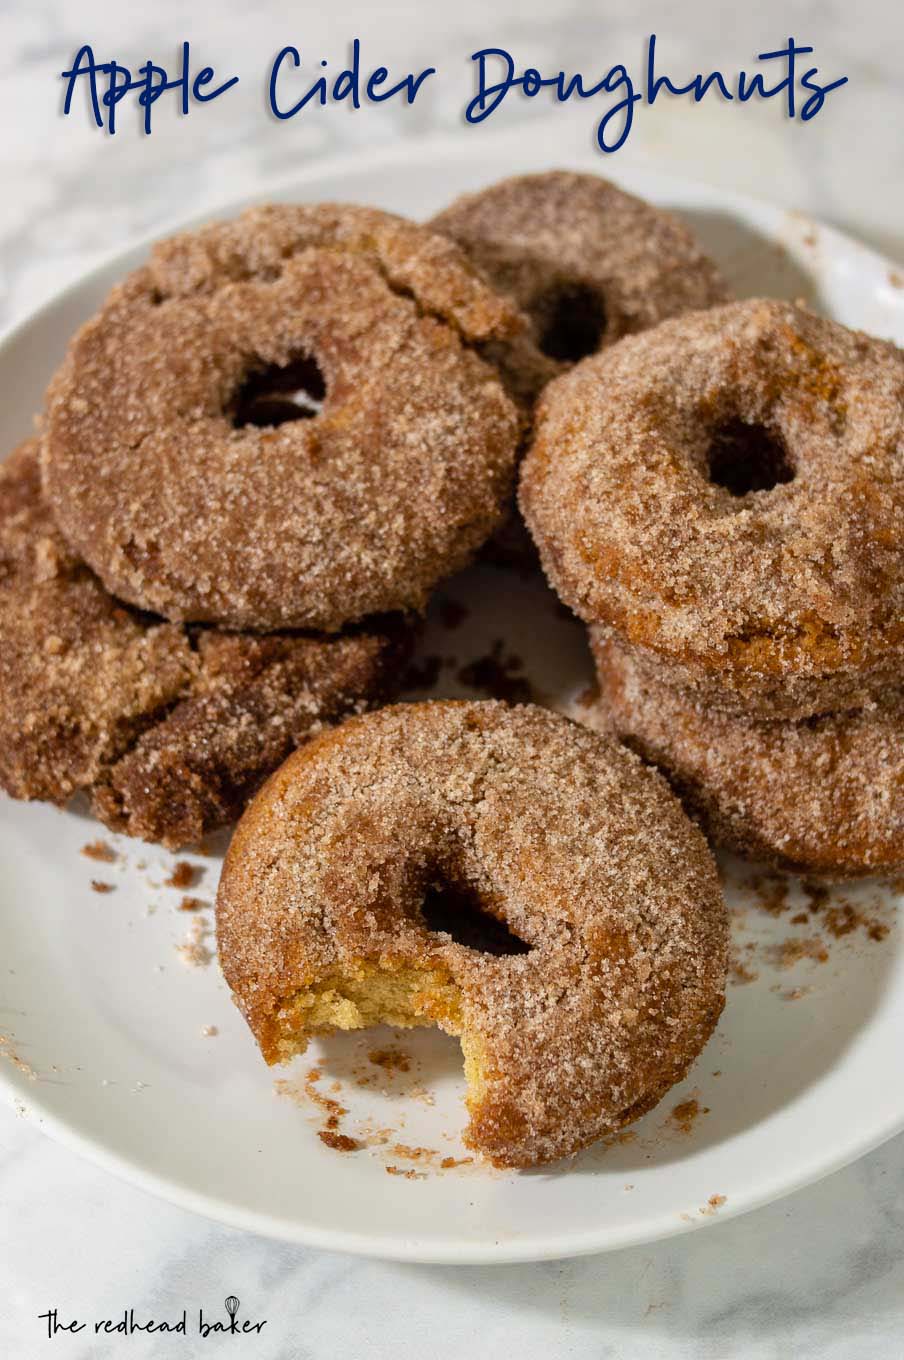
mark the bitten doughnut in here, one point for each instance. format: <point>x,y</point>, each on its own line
<point>726,492</point>
<point>586,262</point>
<point>821,795</point>
<point>181,467</point>
<point>168,729</point>
<point>351,876</point>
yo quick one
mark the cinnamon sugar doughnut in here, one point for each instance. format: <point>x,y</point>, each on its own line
<point>726,492</point>
<point>327,913</point>
<point>586,262</point>
<point>171,467</point>
<point>821,795</point>
<point>168,729</point>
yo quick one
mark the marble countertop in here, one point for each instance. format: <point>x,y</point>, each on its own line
<point>820,1273</point>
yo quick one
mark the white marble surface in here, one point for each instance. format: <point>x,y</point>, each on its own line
<point>819,1274</point>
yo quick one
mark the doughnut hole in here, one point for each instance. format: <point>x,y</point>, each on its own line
<point>745,457</point>
<point>570,318</point>
<point>455,908</point>
<point>279,393</point>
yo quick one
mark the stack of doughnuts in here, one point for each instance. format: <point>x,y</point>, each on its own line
<point>722,500</point>
<point>254,464</point>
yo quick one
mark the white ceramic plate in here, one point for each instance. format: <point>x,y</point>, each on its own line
<point>103,1021</point>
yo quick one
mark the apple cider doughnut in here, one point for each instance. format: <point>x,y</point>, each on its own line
<point>583,260</point>
<point>821,795</point>
<point>726,493</point>
<point>355,877</point>
<point>280,422</point>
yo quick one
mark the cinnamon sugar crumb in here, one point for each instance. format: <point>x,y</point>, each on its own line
<point>712,1204</point>
<point>184,875</point>
<point>423,674</point>
<point>497,676</point>
<point>684,1116</point>
<point>99,886</point>
<point>390,1059</point>
<point>340,1142</point>
<point>789,952</point>
<point>192,904</point>
<point>409,1173</point>
<point>100,850</point>
<point>739,974</point>
<point>771,892</point>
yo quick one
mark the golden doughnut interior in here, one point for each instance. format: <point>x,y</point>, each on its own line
<point>367,994</point>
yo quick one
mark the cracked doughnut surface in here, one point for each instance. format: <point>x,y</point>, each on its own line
<point>563,835</point>
<point>168,729</point>
<point>821,795</point>
<point>390,479</point>
<point>583,260</point>
<point>726,492</point>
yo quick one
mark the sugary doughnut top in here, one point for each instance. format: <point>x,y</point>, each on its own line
<point>278,422</point>
<point>586,262</point>
<point>169,729</point>
<point>825,795</point>
<point>565,836</point>
<point>728,490</point>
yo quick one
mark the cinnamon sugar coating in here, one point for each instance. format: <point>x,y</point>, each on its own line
<point>785,601</point>
<point>183,505</point>
<point>585,261</point>
<point>563,835</point>
<point>820,795</point>
<point>169,729</point>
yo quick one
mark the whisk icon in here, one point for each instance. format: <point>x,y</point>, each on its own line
<point>232,1307</point>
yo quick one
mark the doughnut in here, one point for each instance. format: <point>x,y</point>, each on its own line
<point>168,729</point>
<point>583,260</point>
<point>280,422</point>
<point>821,795</point>
<point>726,492</point>
<point>357,873</point>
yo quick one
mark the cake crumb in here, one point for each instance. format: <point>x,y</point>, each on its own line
<point>194,951</point>
<point>209,1031</point>
<point>412,1154</point>
<point>98,886</point>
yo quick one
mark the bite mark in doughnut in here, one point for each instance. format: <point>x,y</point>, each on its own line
<point>614,979</point>
<point>174,472</point>
<point>726,492</point>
